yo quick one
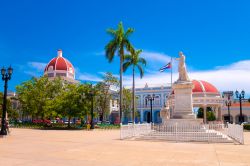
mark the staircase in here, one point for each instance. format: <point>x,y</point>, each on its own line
<point>181,133</point>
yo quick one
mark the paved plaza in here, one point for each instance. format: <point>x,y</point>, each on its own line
<point>28,147</point>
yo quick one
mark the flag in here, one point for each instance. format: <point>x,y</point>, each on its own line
<point>167,66</point>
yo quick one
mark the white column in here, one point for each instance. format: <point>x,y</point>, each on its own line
<point>205,114</point>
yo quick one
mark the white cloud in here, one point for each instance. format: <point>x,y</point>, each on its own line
<point>155,56</point>
<point>89,77</point>
<point>231,77</point>
<point>37,65</point>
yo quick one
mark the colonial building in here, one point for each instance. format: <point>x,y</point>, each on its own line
<point>60,67</point>
<point>160,93</point>
<point>234,111</point>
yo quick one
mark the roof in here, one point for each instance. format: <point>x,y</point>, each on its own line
<point>203,86</point>
<point>59,63</point>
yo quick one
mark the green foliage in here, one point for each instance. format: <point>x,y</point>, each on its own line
<point>44,98</point>
<point>210,114</point>
<point>135,61</point>
<point>127,100</point>
<point>12,113</point>
<point>118,44</point>
<point>246,126</point>
<point>103,96</point>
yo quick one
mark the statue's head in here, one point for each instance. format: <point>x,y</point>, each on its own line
<point>180,53</point>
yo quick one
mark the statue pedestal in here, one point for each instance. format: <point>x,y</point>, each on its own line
<point>165,115</point>
<point>183,108</point>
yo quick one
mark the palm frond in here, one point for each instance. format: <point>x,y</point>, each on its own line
<point>142,61</point>
<point>129,32</point>
<point>140,70</point>
<point>112,32</point>
<point>127,57</point>
<point>110,50</point>
<point>126,65</point>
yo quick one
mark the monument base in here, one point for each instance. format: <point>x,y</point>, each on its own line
<point>183,108</point>
<point>183,121</point>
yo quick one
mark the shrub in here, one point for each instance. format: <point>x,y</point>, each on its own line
<point>246,126</point>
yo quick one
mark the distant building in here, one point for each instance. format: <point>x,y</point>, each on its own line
<point>161,94</point>
<point>234,109</point>
<point>60,67</point>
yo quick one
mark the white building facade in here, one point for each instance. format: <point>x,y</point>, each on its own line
<point>160,93</point>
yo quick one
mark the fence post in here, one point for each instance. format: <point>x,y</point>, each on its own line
<point>176,132</point>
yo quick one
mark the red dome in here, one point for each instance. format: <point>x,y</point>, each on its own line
<point>59,63</point>
<point>203,86</point>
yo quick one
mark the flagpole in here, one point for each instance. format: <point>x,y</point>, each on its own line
<point>171,73</point>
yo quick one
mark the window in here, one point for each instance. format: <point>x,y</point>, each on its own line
<point>50,74</point>
<point>61,74</point>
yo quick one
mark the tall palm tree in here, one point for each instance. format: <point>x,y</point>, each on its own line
<point>118,43</point>
<point>135,61</point>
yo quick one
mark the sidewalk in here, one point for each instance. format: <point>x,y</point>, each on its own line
<point>94,148</point>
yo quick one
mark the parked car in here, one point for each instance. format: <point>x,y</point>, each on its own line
<point>66,122</point>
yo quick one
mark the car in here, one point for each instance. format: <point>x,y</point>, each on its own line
<point>66,122</point>
<point>53,121</point>
<point>243,123</point>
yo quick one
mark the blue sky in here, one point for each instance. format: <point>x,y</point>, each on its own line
<point>214,35</point>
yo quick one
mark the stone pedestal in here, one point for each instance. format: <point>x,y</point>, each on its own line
<point>183,108</point>
<point>165,114</point>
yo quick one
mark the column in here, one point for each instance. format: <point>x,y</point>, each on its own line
<point>219,113</point>
<point>205,114</point>
<point>141,113</point>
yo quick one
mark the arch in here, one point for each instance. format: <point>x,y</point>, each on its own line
<point>156,117</point>
<point>237,118</point>
<point>157,100</point>
<point>225,118</point>
<point>146,116</point>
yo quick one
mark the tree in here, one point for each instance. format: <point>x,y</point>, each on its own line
<point>103,95</point>
<point>135,61</point>
<point>71,103</point>
<point>118,43</point>
<point>36,95</point>
<point>127,100</point>
<point>12,113</point>
<point>209,113</point>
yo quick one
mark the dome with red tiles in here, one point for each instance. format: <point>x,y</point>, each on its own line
<point>203,86</point>
<point>59,66</point>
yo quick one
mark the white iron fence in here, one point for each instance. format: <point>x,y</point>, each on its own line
<point>184,132</point>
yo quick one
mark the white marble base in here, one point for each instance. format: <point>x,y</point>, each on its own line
<point>183,108</point>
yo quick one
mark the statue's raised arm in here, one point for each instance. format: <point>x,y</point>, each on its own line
<point>182,68</point>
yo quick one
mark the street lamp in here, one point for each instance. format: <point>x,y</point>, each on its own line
<point>228,104</point>
<point>5,77</point>
<point>240,96</point>
<point>151,99</point>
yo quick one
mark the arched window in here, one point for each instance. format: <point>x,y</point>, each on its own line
<point>157,100</point>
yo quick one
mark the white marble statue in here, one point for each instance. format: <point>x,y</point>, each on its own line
<point>182,68</point>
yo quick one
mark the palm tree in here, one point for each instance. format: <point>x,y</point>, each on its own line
<point>135,61</point>
<point>118,43</point>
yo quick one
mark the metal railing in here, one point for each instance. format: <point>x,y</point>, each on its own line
<point>184,132</point>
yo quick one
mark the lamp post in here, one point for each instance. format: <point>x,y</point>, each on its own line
<point>151,99</point>
<point>228,104</point>
<point>240,96</point>
<point>5,77</point>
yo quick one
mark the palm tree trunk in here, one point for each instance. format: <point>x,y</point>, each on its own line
<point>121,90</point>
<point>133,95</point>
